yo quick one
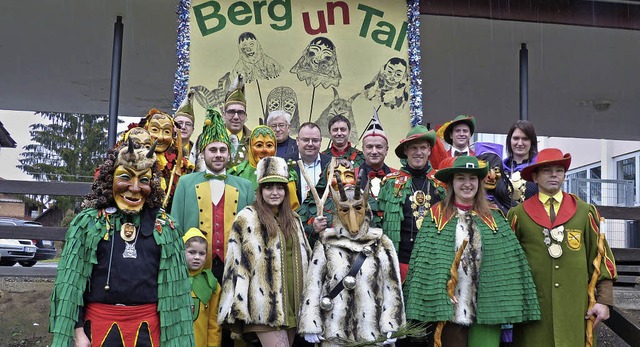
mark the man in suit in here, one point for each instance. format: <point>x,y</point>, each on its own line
<point>210,200</point>
<point>375,147</point>
<point>309,142</point>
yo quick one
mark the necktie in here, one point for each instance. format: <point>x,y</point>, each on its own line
<point>215,177</point>
<point>552,211</point>
<point>458,153</point>
<point>379,174</point>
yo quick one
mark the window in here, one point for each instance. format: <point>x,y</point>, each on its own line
<point>626,170</point>
<point>580,182</point>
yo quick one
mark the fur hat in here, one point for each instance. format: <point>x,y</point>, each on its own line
<point>235,94</point>
<point>213,130</point>
<point>547,156</point>
<point>186,107</point>
<point>272,169</point>
<point>375,128</point>
<point>138,159</point>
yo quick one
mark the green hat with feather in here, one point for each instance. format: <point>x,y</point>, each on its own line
<point>213,130</point>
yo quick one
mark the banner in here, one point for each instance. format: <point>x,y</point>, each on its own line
<point>314,59</point>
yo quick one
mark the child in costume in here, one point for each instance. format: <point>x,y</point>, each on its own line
<point>205,290</point>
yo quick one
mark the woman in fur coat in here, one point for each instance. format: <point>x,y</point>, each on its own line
<point>266,262</point>
<point>468,273</point>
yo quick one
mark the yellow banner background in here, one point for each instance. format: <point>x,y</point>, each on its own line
<point>366,35</point>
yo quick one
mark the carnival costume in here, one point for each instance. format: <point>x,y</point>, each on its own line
<point>171,161</point>
<point>263,276</point>
<point>354,155</point>
<point>205,293</point>
<point>308,209</point>
<point>439,152</point>
<point>263,135</point>
<point>497,185</point>
<point>239,145</point>
<point>408,193</point>
<point>194,207</point>
<point>522,189</point>
<point>493,284</point>
<point>561,255</point>
<point>122,273</point>
<point>362,263</point>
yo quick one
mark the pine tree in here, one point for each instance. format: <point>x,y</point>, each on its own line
<point>68,149</point>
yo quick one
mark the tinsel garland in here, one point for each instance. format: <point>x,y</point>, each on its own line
<point>181,81</point>
<point>413,36</point>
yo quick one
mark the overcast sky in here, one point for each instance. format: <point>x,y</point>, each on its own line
<point>17,124</point>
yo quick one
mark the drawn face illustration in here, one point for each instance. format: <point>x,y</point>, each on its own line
<point>393,74</point>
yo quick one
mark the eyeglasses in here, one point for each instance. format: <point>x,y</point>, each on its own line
<point>279,126</point>
<point>185,124</point>
<point>239,113</point>
<point>307,140</point>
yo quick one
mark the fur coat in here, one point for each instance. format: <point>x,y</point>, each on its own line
<point>254,285</point>
<point>370,310</point>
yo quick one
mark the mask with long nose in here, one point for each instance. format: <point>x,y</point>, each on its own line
<point>351,204</point>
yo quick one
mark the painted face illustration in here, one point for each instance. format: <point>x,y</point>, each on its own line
<point>394,74</point>
<point>318,64</point>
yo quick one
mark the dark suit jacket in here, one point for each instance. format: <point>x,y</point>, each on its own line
<point>288,149</point>
<point>324,161</point>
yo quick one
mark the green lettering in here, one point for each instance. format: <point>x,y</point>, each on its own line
<point>384,37</point>
<point>403,34</point>
<point>257,9</point>
<point>212,9</point>
<point>285,19</point>
<point>237,10</point>
<point>369,13</point>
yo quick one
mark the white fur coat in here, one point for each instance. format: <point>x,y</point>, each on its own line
<point>254,287</point>
<point>373,308</point>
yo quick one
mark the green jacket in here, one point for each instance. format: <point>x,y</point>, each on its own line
<point>76,264</point>
<point>192,206</point>
<point>394,191</point>
<point>505,289</point>
<point>562,282</point>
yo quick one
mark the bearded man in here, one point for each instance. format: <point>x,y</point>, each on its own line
<point>122,278</point>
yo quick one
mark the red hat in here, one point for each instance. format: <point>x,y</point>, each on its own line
<point>546,157</point>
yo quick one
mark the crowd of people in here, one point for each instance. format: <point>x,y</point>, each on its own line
<point>249,237</point>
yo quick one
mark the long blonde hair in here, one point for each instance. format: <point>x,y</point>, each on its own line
<point>269,220</point>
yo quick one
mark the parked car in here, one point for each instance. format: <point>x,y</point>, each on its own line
<point>32,250</point>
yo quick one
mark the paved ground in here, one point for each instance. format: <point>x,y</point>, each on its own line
<point>24,310</point>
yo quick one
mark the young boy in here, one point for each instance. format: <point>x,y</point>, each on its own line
<point>205,290</point>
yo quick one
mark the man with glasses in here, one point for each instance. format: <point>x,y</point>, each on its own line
<point>280,122</point>
<point>184,119</point>
<point>309,142</point>
<point>235,115</point>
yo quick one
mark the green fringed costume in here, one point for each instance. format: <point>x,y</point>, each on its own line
<point>394,191</point>
<point>505,289</point>
<point>79,257</point>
